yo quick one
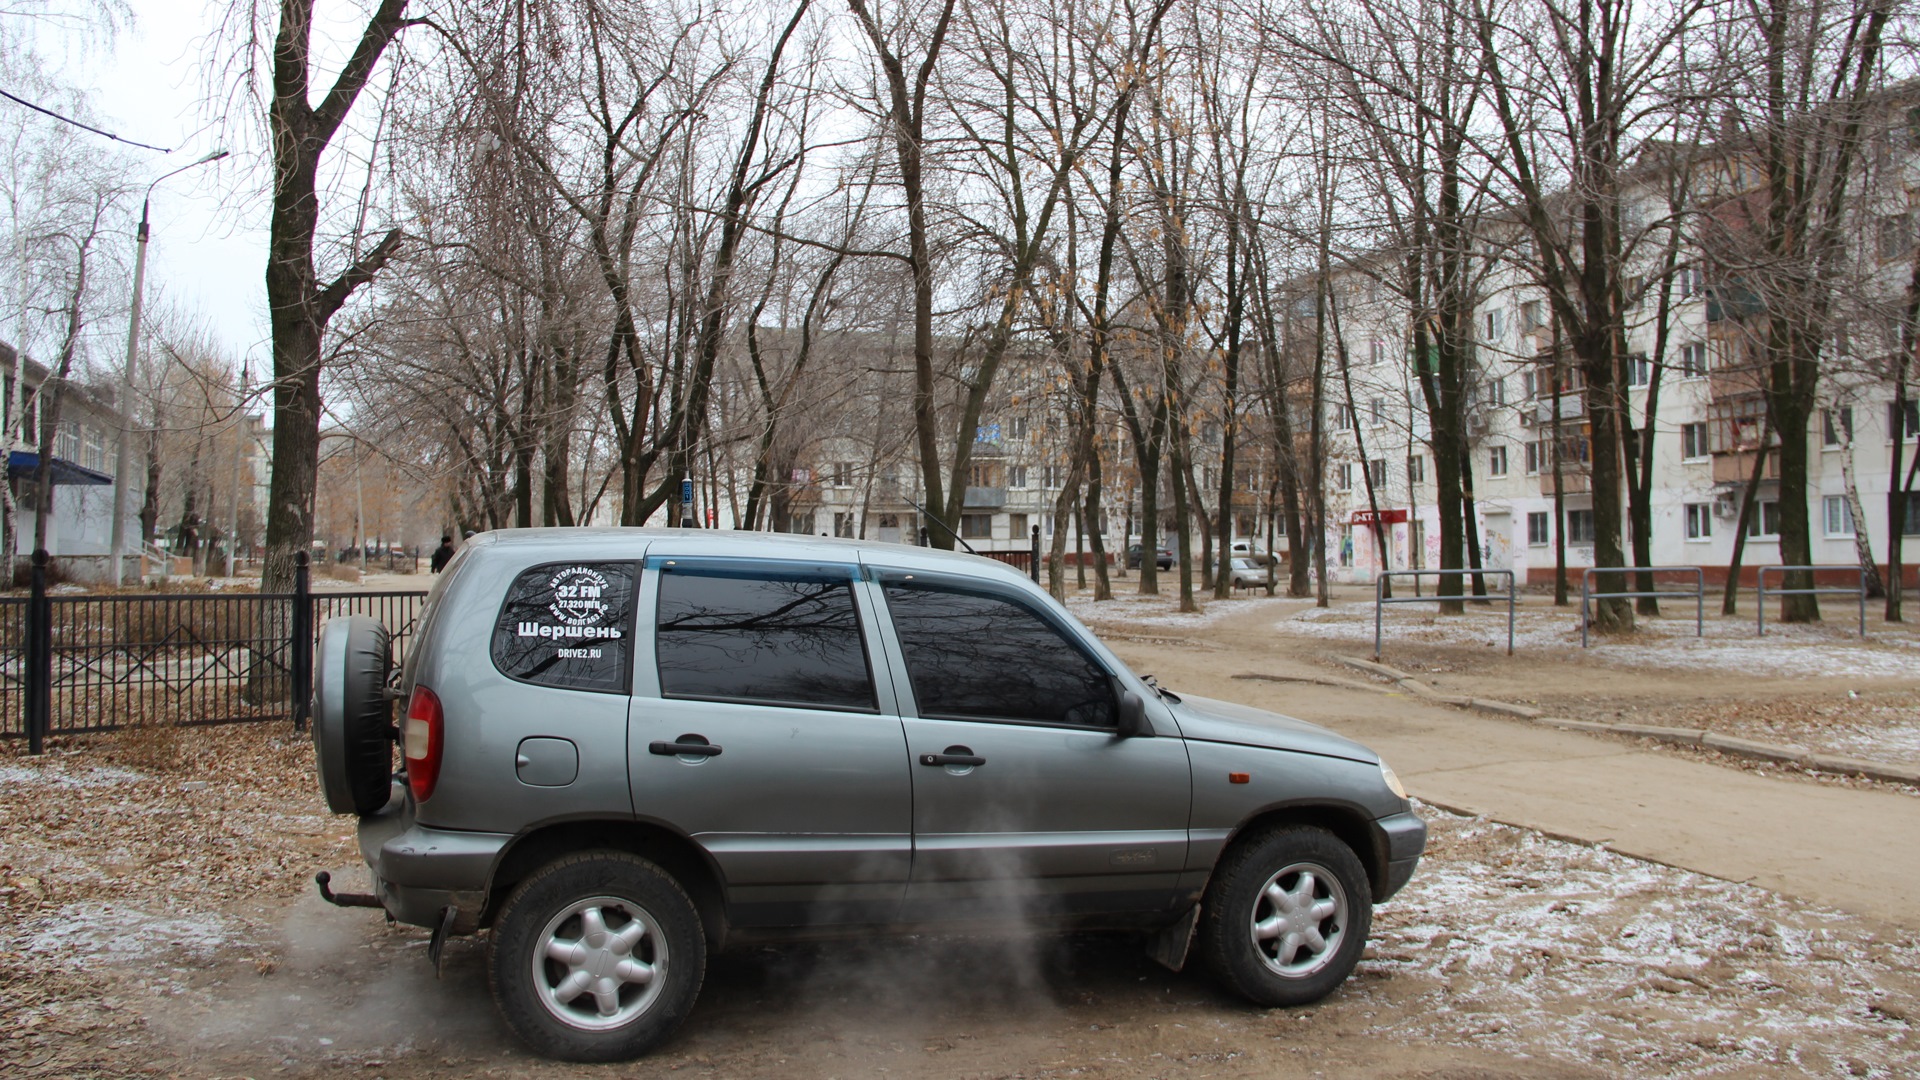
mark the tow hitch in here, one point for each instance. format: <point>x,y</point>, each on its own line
<point>345,899</point>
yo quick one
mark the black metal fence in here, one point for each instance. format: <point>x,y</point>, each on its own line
<point>82,663</point>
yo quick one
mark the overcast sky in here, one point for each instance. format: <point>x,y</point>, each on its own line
<point>209,240</point>
<point>207,250</point>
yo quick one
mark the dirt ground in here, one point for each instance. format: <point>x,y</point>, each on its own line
<point>157,918</point>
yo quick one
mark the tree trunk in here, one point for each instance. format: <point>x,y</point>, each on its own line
<point>298,306</point>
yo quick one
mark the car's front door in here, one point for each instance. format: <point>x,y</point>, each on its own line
<point>1026,800</point>
<point>759,731</point>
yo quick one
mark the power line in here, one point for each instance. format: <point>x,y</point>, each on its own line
<point>78,124</point>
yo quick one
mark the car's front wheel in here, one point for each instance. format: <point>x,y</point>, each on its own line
<point>597,957</point>
<point>1286,916</point>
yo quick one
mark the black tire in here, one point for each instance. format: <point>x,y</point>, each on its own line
<point>624,891</point>
<point>352,717</point>
<point>1312,869</point>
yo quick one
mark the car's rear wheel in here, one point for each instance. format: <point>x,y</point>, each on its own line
<point>1286,916</point>
<point>597,957</point>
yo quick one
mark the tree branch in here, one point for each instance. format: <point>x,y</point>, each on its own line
<point>361,272</point>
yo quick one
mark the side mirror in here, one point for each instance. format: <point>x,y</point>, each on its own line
<point>1133,716</point>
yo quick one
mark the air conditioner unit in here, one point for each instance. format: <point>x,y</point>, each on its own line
<point>1725,505</point>
<point>1476,424</point>
<point>1528,415</point>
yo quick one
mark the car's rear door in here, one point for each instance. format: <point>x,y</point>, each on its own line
<point>1026,801</point>
<point>760,731</point>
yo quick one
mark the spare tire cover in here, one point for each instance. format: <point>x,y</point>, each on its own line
<point>352,718</point>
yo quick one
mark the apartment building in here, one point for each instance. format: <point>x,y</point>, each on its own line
<point>1710,433</point>
<point>79,531</point>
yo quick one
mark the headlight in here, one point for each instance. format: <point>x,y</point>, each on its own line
<point>1393,781</point>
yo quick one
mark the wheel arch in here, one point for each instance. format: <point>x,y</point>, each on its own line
<point>1351,825</point>
<point>672,852</point>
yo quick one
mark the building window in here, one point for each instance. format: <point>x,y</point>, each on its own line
<point>1532,315</point>
<point>1894,236</point>
<point>1693,441</point>
<point>1834,423</point>
<point>1377,353</point>
<point>1053,476</point>
<point>1346,476</point>
<point>1699,521</point>
<point>1497,391</point>
<point>1538,534</point>
<point>1764,521</point>
<point>1017,526</point>
<point>1496,323</point>
<point>1496,461</point>
<point>1894,410</point>
<point>1342,418</point>
<point>842,474</point>
<point>801,523</point>
<point>976,526</point>
<point>1416,469</point>
<point>842,524</point>
<point>1693,360</point>
<point>1377,411</point>
<point>1017,427</point>
<point>1536,450</point>
<point>1016,476</point>
<point>1580,527</point>
<point>1689,282</point>
<point>1839,515</point>
<point>1639,370</point>
<point>1377,472</point>
<point>1912,526</point>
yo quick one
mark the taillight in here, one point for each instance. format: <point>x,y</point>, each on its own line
<point>424,740</point>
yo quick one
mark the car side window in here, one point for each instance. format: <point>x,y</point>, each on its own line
<point>975,656</point>
<point>568,625</point>
<point>766,637</point>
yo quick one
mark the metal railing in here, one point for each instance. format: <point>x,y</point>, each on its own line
<point>83,663</point>
<point>1587,595</point>
<point>1860,590</point>
<point>1381,599</point>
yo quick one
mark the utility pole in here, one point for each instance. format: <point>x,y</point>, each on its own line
<point>239,442</point>
<point>123,458</point>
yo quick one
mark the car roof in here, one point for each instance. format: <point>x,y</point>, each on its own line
<point>603,541</point>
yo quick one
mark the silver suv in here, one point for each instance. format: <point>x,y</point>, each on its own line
<point>625,749</point>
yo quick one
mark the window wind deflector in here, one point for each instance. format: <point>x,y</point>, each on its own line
<point>744,567</point>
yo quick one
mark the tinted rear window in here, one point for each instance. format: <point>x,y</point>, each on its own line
<point>765,637</point>
<point>568,625</point>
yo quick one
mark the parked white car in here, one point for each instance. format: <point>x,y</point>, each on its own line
<point>1251,549</point>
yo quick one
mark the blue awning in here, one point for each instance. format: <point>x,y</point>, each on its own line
<point>25,463</point>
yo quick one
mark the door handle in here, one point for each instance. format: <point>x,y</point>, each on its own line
<point>952,759</point>
<point>687,749</point>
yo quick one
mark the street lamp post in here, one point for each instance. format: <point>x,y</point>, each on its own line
<point>123,458</point>
<point>240,433</point>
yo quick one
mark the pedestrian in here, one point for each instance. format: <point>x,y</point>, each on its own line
<point>442,553</point>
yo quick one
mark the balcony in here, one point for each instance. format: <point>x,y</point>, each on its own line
<point>1572,406</point>
<point>1733,301</point>
<point>984,498</point>
<point>1574,479</point>
<point>1736,467</point>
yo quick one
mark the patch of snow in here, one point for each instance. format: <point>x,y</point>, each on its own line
<point>88,934</point>
<point>1665,642</point>
<point>56,773</point>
